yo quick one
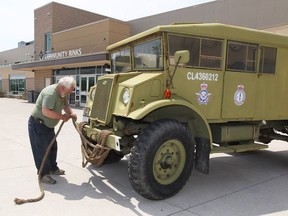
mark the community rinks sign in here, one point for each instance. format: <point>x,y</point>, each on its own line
<point>61,54</point>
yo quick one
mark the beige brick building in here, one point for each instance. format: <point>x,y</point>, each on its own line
<point>70,41</point>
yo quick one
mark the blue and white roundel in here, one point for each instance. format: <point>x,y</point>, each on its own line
<point>240,95</point>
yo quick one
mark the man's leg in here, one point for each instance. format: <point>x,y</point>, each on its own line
<point>39,143</point>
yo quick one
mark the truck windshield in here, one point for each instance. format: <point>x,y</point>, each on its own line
<point>146,55</point>
<point>120,61</point>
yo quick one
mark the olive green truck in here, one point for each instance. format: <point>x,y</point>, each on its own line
<point>178,93</point>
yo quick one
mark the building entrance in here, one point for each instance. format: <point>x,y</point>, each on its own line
<point>86,82</point>
<point>85,77</point>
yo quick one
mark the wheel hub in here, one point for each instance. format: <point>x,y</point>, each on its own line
<point>169,161</point>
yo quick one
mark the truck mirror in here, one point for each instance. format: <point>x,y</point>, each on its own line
<point>182,56</point>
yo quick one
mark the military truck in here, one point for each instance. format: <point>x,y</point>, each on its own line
<point>178,93</point>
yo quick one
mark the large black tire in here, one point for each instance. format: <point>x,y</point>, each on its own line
<point>161,160</point>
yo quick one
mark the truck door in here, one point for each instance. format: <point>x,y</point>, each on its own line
<point>240,81</point>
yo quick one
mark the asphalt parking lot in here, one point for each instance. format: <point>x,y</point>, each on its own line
<point>254,183</point>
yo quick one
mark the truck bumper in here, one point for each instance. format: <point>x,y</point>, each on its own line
<point>112,140</point>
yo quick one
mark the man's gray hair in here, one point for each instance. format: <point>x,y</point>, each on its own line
<point>67,82</point>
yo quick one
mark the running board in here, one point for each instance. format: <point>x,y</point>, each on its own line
<point>237,148</point>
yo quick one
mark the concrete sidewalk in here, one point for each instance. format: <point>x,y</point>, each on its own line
<point>254,183</point>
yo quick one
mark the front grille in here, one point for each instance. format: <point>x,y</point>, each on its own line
<point>101,101</point>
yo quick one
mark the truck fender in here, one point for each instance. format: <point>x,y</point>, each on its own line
<point>194,118</point>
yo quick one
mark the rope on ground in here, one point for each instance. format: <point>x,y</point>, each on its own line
<point>22,201</point>
<point>93,153</point>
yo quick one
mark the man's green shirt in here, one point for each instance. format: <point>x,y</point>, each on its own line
<point>50,99</point>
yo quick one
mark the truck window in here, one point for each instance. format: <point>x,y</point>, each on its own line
<point>204,52</point>
<point>241,57</point>
<point>268,60</point>
<point>120,61</point>
<point>148,55</point>
<point>211,53</point>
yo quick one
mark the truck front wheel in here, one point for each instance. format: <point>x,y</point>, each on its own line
<point>161,160</point>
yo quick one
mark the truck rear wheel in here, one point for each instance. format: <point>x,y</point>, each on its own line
<point>161,160</point>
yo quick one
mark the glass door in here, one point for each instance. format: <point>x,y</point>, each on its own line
<point>86,82</point>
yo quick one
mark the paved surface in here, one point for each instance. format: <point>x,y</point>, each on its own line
<point>254,183</point>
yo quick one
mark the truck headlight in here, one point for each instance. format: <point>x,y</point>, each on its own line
<point>86,114</point>
<point>126,96</point>
<point>86,111</point>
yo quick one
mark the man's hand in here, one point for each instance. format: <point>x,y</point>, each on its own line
<point>73,117</point>
<point>65,117</point>
<point>68,111</point>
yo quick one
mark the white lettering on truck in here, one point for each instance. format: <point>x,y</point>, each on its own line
<point>202,76</point>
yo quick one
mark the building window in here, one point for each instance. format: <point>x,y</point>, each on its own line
<point>48,42</point>
<point>65,72</point>
<point>87,70</point>
<point>100,70</point>
<point>268,60</point>
<point>16,84</point>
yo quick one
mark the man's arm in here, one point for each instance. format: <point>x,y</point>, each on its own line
<point>54,115</point>
<point>69,111</point>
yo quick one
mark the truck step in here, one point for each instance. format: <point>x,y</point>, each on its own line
<point>237,148</point>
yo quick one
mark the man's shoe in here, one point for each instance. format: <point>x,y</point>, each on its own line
<point>58,172</point>
<point>48,179</point>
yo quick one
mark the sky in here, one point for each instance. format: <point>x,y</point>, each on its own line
<point>17,17</point>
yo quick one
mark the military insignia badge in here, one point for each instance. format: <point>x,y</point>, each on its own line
<point>203,94</point>
<point>240,95</point>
